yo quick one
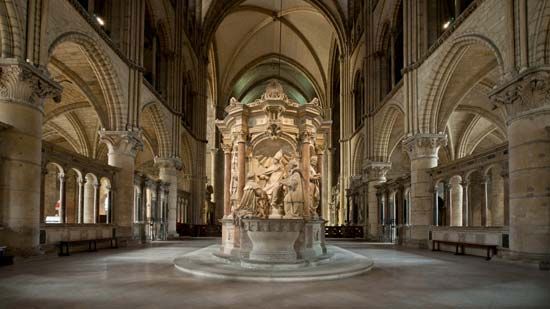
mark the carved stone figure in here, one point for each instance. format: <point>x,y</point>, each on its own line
<point>273,174</point>
<point>335,196</point>
<point>255,202</point>
<point>209,207</point>
<point>294,198</point>
<point>314,192</point>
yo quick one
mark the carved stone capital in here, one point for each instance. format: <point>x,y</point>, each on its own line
<point>307,136</point>
<point>529,91</point>
<point>240,137</point>
<point>24,84</point>
<point>226,148</point>
<point>168,163</point>
<point>424,145</point>
<point>122,142</point>
<point>376,171</point>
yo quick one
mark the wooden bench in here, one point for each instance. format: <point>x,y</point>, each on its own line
<point>5,259</point>
<point>491,249</point>
<point>92,244</point>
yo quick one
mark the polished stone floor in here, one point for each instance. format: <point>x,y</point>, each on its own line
<point>146,278</point>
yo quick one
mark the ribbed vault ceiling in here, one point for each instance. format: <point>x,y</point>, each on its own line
<point>248,52</point>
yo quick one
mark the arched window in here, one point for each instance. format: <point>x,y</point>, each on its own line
<point>397,50</point>
<point>154,57</point>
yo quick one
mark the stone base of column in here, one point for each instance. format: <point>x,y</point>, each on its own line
<point>415,236</point>
<point>173,236</point>
<point>542,261</point>
<point>230,237</point>
<point>372,232</point>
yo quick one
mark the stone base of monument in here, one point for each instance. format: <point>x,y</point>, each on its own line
<point>283,250</point>
<point>339,264</point>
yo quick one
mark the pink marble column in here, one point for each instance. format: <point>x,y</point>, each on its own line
<point>227,181</point>
<point>241,154</point>
<point>306,138</point>
<point>320,172</point>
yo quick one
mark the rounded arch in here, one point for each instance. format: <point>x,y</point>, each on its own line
<point>104,73</point>
<point>434,117</point>
<point>10,30</point>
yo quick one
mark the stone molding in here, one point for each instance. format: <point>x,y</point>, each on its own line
<point>424,145</point>
<point>376,171</point>
<point>24,84</point>
<point>272,225</point>
<point>122,142</point>
<point>528,92</point>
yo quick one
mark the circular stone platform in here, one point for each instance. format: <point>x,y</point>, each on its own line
<point>340,264</point>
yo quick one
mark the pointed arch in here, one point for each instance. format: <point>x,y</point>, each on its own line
<point>104,73</point>
<point>432,117</point>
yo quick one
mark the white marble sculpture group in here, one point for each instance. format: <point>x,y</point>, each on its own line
<point>273,177</point>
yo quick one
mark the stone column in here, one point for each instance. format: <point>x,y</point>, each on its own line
<point>376,174</point>
<point>123,146</point>
<point>168,173</point>
<point>465,202</point>
<point>227,180</point>
<point>456,202</point>
<point>96,202</point>
<point>42,189</point>
<point>485,220</point>
<point>321,182</point>
<point>306,155</point>
<point>22,91</point>
<point>330,183</point>
<point>62,198</point>
<point>506,186</point>
<point>88,213</point>
<point>497,197</point>
<point>422,150</point>
<point>436,205</point>
<point>81,190</point>
<point>528,105</point>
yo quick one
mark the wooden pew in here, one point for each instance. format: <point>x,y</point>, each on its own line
<point>459,247</point>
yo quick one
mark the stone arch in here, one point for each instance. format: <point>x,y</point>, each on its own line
<point>542,36</point>
<point>390,115</point>
<point>10,30</point>
<point>358,155</point>
<point>432,118</point>
<point>383,36</point>
<point>186,154</point>
<point>104,72</point>
<point>162,134</point>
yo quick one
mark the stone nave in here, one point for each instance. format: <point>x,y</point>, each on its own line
<point>409,126</point>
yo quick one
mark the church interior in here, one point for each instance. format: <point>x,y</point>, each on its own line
<point>274,153</point>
